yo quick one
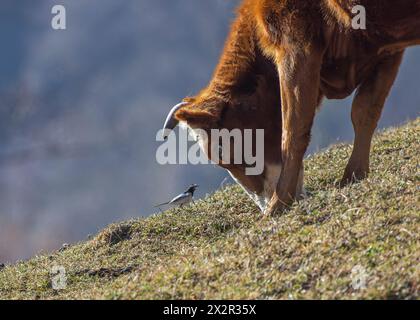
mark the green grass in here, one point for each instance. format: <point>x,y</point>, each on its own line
<point>221,247</point>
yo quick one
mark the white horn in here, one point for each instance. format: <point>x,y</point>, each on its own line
<point>171,122</point>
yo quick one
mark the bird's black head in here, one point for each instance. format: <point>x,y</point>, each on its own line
<point>192,188</point>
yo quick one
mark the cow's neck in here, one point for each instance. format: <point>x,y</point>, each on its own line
<point>237,59</point>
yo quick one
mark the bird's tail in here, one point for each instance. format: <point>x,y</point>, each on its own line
<point>162,204</point>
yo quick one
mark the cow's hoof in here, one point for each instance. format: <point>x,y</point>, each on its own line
<point>275,207</point>
<point>353,176</point>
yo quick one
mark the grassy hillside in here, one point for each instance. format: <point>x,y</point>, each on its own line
<point>220,247</point>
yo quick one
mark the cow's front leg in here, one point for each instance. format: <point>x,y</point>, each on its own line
<point>366,111</point>
<point>299,81</point>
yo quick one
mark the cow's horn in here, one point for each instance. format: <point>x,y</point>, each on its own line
<point>171,122</point>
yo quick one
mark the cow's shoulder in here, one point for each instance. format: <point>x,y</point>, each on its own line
<point>287,22</point>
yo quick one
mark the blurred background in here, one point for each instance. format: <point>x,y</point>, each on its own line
<point>80,108</point>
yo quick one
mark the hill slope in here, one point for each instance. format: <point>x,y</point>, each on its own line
<point>358,242</point>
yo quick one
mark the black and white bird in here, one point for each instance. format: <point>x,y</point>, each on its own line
<point>182,199</point>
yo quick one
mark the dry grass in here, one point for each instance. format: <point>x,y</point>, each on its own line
<point>220,248</point>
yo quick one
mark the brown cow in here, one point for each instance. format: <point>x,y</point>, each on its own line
<point>308,50</point>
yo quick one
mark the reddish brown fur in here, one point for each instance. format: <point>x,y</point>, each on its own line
<point>311,48</point>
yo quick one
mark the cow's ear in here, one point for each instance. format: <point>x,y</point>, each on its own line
<point>195,117</point>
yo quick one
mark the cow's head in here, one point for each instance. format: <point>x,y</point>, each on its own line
<point>252,101</point>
